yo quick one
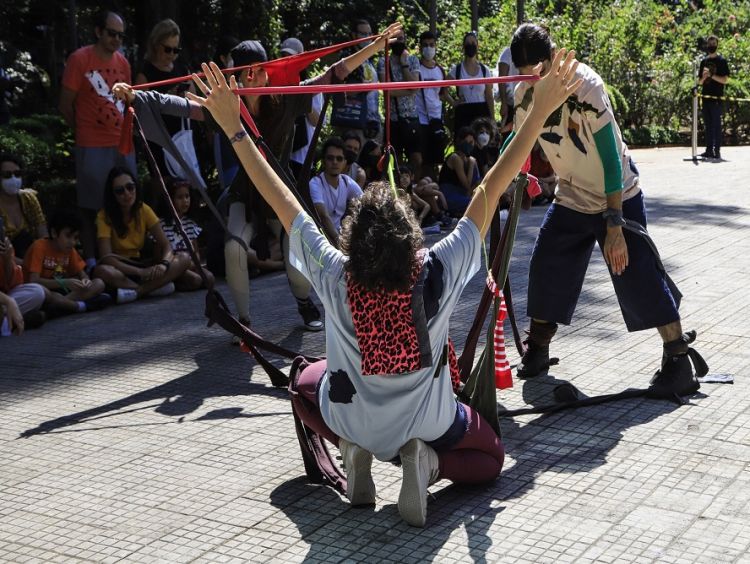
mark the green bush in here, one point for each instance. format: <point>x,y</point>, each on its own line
<point>651,135</point>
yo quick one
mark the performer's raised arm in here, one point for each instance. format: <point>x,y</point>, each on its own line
<point>224,106</point>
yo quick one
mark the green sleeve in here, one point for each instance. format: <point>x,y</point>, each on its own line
<point>507,141</point>
<point>610,156</point>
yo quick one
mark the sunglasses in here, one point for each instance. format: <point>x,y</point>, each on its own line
<point>170,50</point>
<point>337,158</point>
<point>120,190</point>
<point>114,33</point>
<point>9,173</point>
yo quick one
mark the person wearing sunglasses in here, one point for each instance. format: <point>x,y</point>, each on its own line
<point>332,190</point>
<point>20,213</point>
<point>88,106</point>
<point>123,227</point>
<point>162,62</point>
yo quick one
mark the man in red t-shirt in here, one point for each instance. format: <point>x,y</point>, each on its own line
<point>87,104</point>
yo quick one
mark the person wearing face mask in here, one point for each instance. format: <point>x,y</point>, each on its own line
<point>430,108</point>
<point>369,157</point>
<point>405,133</point>
<point>486,151</point>
<point>460,174</point>
<point>713,75</point>
<point>598,200</point>
<point>21,214</point>
<point>352,148</point>
<point>475,100</point>
<point>359,111</point>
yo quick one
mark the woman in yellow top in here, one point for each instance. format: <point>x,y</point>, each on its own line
<point>20,212</point>
<point>121,234</point>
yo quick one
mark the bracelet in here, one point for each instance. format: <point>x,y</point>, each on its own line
<point>164,263</point>
<point>239,136</point>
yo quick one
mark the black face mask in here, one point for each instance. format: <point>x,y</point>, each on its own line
<point>371,160</point>
<point>398,48</point>
<point>712,48</point>
<point>350,156</point>
<point>470,50</point>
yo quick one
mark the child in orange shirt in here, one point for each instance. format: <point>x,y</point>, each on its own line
<point>56,265</point>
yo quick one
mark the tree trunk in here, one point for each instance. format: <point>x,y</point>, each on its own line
<point>432,9</point>
<point>520,11</point>
<point>474,15</point>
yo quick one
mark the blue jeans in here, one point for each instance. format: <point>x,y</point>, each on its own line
<point>712,123</point>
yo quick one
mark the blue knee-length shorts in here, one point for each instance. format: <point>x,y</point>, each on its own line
<point>561,256</point>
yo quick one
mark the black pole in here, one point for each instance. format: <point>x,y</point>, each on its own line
<point>520,11</point>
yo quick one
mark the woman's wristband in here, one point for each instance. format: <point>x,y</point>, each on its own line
<point>239,136</point>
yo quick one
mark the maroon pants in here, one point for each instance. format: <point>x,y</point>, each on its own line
<point>478,457</point>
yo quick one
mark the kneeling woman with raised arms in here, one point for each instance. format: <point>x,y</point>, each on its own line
<point>385,388</point>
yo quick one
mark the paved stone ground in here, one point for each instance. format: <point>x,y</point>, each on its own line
<point>161,442</point>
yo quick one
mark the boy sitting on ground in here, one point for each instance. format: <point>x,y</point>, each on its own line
<point>56,265</point>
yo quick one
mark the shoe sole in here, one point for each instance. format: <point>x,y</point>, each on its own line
<point>360,489</point>
<point>412,500</point>
<point>315,327</point>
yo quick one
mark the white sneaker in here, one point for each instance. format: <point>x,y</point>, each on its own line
<point>420,466</point>
<point>126,295</point>
<point>360,489</point>
<point>165,290</point>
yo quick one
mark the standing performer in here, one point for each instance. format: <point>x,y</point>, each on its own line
<point>385,389</point>
<point>598,191</point>
<point>275,116</point>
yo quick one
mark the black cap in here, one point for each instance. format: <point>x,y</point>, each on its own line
<point>248,52</point>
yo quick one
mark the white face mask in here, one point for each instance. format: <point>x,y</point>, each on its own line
<point>428,53</point>
<point>12,185</point>
<point>483,139</point>
<point>230,62</point>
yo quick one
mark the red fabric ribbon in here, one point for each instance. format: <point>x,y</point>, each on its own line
<point>533,189</point>
<point>126,132</point>
<point>503,376</point>
<point>281,72</point>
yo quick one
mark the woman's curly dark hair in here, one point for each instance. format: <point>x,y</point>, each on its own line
<point>381,237</point>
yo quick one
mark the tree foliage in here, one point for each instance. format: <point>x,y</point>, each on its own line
<point>644,49</point>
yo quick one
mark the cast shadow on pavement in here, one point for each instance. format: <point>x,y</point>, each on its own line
<point>567,442</point>
<point>177,398</point>
<point>335,531</point>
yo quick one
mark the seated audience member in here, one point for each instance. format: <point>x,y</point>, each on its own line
<point>486,152</point>
<point>369,157</point>
<point>19,303</point>
<point>55,264</point>
<point>179,193</point>
<point>332,190</point>
<point>352,148</point>
<point>420,207</point>
<point>430,192</point>
<point>121,235</point>
<point>20,211</point>
<point>460,174</point>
